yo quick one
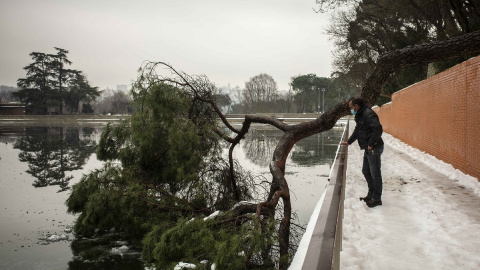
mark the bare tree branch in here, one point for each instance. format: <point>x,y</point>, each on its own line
<point>463,45</point>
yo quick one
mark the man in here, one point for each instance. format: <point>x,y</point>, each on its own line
<point>368,132</point>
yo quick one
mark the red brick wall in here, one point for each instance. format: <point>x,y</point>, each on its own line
<point>441,116</point>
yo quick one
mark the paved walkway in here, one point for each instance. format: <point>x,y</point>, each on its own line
<point>429,219</point>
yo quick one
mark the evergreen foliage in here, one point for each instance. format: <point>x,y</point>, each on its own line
<point>49,84</point>
<point>164,173</point>
<point>368,29</point>
<point>49,156</point>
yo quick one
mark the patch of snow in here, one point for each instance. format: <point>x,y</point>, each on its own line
<point>123,249</point>
<point>405,88</point>
<point>182,265</point>
<point>440,166</point>
<point>56,238</point>
<point>119,251</point>
<point>429,218</point>
<point>121,243</point>
<point>53,238</point>
<point>213,215</point>
<point>242,203</point>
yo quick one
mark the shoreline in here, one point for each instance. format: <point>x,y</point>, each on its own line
<point>78,119</point>
<point>64,119</point>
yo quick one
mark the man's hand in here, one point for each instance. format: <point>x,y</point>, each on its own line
<point>344,143</point>
<point>369,148</point>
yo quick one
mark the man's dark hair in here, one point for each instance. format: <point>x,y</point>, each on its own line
<point>357,101</point>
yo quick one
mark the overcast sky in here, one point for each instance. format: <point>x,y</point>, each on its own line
<point>229,41</point>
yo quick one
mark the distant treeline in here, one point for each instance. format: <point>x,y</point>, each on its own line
<point>6,94</point>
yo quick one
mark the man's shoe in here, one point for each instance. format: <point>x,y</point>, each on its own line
<point>366,198</point>
<point>373,203</point>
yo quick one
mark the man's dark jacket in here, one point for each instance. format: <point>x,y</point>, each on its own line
<point>368,130</point>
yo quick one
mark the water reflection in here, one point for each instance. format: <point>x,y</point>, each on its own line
<point>260,143</point>
<point>318,149</point>
<point>52,151</point>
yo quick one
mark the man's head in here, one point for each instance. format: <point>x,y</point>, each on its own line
<point>355,104</point>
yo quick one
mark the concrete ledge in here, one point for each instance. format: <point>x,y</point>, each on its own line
<point>59,119</point>
<point>278,115</point>
<point>322,242</point>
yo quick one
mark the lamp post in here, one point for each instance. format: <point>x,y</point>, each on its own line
<point>323,100</point>
<point>318,103</point>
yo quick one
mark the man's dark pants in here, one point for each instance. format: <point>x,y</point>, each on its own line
<point>373,173</point>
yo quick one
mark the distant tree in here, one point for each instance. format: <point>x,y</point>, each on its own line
<point>114,102</point>
<point>79,90</point>
<point>121,102</point>
<point>239,108</point>
<point>370,28</point>
<point>6,94</point>
<point>103,104</point>
<point>345,86</point>
<point>87,108</point>
<point>222,100</point>
<point>284,102</point>
<point>259,91</point>
<point>309,93</point>
<point>48,83</point>
<point>36,89</point>
<point>61,74</point>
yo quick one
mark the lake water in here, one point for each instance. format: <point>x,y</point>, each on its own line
<point>38,165</point>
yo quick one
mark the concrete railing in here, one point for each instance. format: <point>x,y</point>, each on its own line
<point>286,117</point>
<point>278,115</point>
<point>322,242</point>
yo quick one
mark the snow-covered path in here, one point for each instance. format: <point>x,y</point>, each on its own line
<point>430,217</point>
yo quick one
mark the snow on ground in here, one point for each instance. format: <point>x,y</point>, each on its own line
<point>429,219</point>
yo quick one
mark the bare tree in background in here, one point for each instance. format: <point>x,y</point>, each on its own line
<point>114,102</point>
<point>121,102</point>
<point>6,94</point>
<point>259,90</point>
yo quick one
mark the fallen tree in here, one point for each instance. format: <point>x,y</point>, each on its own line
<point>253,226</point>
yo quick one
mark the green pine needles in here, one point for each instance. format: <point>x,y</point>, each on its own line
<point>164,174</point>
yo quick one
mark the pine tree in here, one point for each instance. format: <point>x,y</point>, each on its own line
<point>50,84</point>
<point>164,174</point>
